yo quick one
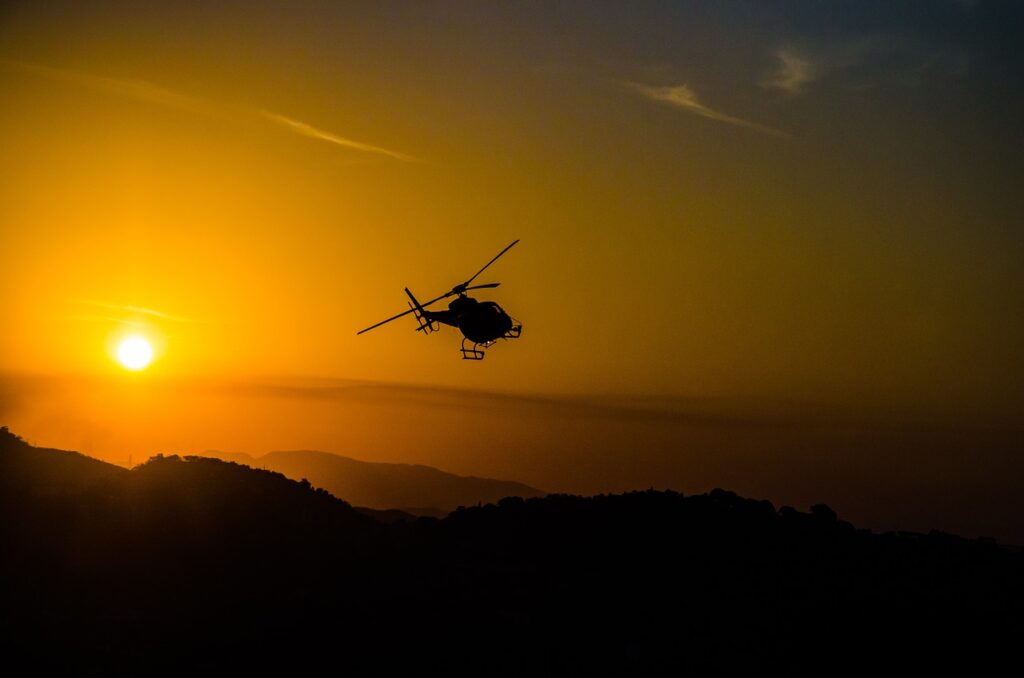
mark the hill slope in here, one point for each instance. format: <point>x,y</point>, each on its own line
<point>48,470</point>
<point>386,486</point>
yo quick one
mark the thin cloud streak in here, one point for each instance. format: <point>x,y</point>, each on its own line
<point>792,74</point>
<point>312,132</point>
<point>144,91</point>
<point>684,98</point>
<point>135,310</point>
<point>106,319</point>
<point>139,90</point>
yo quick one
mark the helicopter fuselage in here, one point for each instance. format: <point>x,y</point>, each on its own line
<point>482,322</point>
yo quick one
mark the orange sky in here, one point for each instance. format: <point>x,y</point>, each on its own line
<point>765,202</point>
<point>148,163</point>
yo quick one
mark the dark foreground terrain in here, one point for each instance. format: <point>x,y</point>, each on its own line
<point>197,567</point>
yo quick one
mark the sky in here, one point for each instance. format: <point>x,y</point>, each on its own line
<point>770,202</point>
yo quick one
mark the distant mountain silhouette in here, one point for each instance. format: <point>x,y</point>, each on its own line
<point>199,566</point>
<point>416,489</point>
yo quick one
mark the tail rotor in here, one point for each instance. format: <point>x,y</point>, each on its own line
<point>426,324</point>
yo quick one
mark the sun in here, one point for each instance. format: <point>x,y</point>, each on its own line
<point>134,353</point>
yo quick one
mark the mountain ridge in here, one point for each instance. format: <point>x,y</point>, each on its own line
<point>384,485</point>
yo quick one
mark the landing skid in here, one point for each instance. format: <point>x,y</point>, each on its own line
<point>476,351</point>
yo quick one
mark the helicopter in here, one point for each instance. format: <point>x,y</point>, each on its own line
<point>482,323</point>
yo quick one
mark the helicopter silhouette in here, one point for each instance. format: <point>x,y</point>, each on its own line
<point>481,322</point>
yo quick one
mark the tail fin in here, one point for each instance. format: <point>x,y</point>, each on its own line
<point>422,315</point>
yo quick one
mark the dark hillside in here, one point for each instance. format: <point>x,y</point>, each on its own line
<point>200,566</point>
<point>123,567</point>
<point>718,584</point>
<point>45,470</point>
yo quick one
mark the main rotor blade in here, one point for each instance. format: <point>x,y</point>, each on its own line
<point>466,284</point>
<point>480,287</point>
<point>383,322</point>
<point>436,299</point>
<point>396,317</point>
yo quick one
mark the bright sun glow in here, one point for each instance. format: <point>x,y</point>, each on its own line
<point>134,353</point>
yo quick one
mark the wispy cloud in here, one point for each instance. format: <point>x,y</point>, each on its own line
<point>684,98</point>
<point>864,61</point>
<point>130,310</point>
<point>792,73</point>
<point>312,132</point>
<point>141,90</point>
